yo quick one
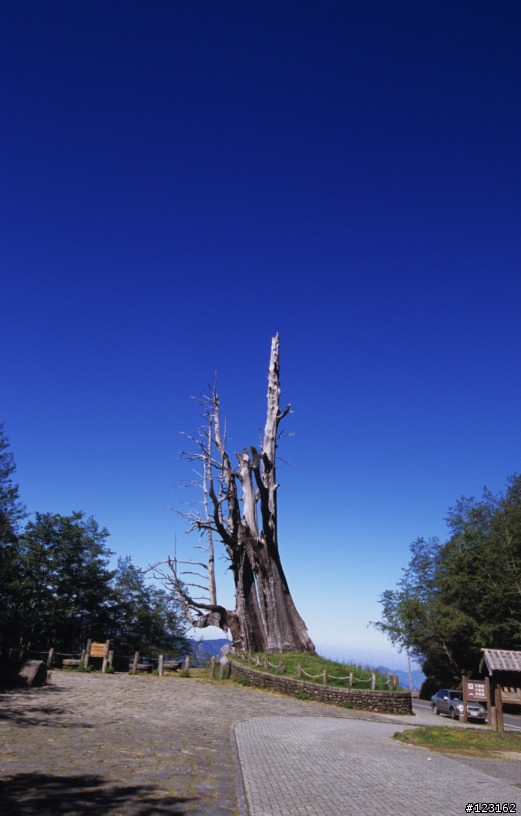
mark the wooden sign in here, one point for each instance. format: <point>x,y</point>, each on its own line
<point>98,649</point>
<point>476,691</point>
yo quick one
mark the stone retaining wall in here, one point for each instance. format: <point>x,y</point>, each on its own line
<point>384,702</point>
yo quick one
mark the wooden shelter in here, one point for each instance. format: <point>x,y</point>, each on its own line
<point>504,676</point>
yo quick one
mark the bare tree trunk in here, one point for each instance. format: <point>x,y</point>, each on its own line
<point>285,629</point>
<point>265,618</point>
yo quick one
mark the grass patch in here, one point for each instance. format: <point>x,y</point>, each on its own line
<point>461,740</point>
<point>313,667</point>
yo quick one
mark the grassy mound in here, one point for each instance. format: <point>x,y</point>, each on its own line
<point>313,667</point>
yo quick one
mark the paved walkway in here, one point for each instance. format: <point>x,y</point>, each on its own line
<point>139,746</point>
<point>303,766</point>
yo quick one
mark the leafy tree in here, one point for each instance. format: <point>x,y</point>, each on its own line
<point>464,595</point>
<point>66,592</point>
<point>145,618</point>
<point>12,512</point>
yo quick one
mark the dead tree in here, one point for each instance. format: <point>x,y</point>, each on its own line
<point>265,618</point>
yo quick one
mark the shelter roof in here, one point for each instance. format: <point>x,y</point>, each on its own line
<point>501,660</point>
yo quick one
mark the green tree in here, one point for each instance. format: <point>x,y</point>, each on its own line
<point>464,595</point>
<point>12,512</point>
<point>145,618</point>
<point>66,594</point>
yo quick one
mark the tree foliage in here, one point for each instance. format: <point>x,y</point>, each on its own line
<point>57,588</point>
<point>461,596</point>
<point>145,617</point>
<point>12,512</point>
<point>65,581</point>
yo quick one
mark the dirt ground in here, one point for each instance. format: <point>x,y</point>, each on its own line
<point>135,746</point>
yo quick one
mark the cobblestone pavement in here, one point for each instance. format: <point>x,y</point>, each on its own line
<point>139,746</point>
<point>128,746</point>
<point>353,768</point>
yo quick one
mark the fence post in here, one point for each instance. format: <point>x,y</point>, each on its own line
<point>160,665</point>
<point>266,663</point>
<point>325,677</point>
<point>136,661</point>
<point>224,668</point>
<point>187,663</point>
<point>282,667</point>
<point>299,672</point>
<point>373,681</point>
<point>87,653</point>
<point>50,657</point>
<point>212,668</point>
<point>350,679</point>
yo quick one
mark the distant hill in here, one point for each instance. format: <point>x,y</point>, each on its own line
<point>203,650</point>
<point>403,676</point>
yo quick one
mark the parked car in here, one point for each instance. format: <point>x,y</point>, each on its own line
<point>450,702</point>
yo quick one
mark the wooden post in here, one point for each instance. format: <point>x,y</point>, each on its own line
<point>187,663</point>
<point>393,681</point>
<point>489,701</point>
<point>212,668</point>
<point>224,667</point>
<point>299,672</point>
<point>325,677</point>
<point>266,663</point>
<point>373,681</point>
<point>136,661</point>
<point>105,657</point>
<point>111,658</point>
<point>464,717</point>
<point>87,653</point>
<point>489,686</point>
<point>500,724</point>
<point>49,658</point>
<point>282,667</point>
<point>160,665</point>
<point>351,678</point>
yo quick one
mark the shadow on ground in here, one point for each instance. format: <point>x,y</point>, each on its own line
<point>47,795</point>
<point>32,708</point>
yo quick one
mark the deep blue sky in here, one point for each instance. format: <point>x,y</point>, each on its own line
<point>182,179</point>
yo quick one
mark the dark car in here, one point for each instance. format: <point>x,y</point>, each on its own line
<point>450,702</point>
